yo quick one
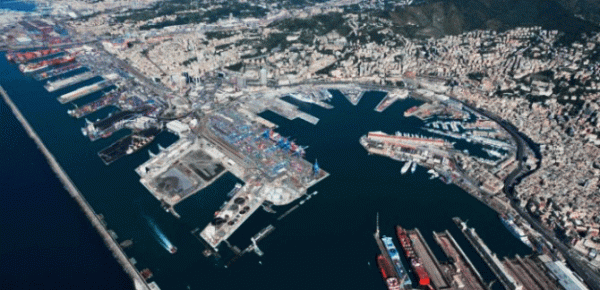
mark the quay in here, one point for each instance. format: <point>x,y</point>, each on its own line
<point>466,273</point>
<point>66,82</point>
<point>488,257</point>
<point>84,91</point>
<point>430,262</point>
<point>113,246</point>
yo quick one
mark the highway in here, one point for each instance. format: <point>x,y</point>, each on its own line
<point>591,278</point>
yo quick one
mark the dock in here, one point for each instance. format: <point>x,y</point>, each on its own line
<point>82,92</point>
<point>66,82</point>
<point>113,246</point>
<point>530,275</point>
<point>466,275</point>
<point>430,262</point>
<point>505,278</point>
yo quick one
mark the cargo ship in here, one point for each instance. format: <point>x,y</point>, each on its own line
<point>387,273</point>
<point>45,63</point>
<point>413,259</point>
<point>393,252</point>
<point>57,71</point>
<point>127,145</point>
<point>20,57</point>
<point>94,106</point>
<point>515,230</point>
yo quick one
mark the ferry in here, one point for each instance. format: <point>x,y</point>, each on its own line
<point>393,252</point>
<point>406,167</point>
<point>515,230</point>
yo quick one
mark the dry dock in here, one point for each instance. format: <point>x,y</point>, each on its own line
<point>74,192</point>
<point>63,83</point>
<point>488,257</point>
<point>466,274</point>
<point>432,265</point>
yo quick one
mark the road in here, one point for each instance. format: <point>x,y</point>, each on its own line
<point>591,278</point>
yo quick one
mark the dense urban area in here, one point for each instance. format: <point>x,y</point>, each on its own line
<point>204,70</point>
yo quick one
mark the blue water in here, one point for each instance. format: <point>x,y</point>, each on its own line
<point>47,242</point>
<point>17,5</point>
<point>325,244</point>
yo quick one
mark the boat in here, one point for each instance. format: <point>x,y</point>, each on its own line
<point>45,63</point>
<point>415,261</point>
<point>172,249</point>
<point>387,273</point>
<point>393,252</point>
<point>405,167</point>
<point>433,173</point>
<point>515,230</point>
<point>21,57</point>
<point>413,167</point>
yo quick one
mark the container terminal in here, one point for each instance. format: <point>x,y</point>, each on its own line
<point>463,274</point>
<point>84,91</point>
<point>63,83</point>
<point>64,69</point>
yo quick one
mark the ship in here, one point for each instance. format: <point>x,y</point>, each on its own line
<point>405,167</point>
<point>45,63</point>
<point>160,237</point>
<point>393,252</point>
<point>414,260</point>
<point>57,71</point>
<point>413,167</point>
<point>20,57</point>
<point>387,273</point>
<point>515,230</point>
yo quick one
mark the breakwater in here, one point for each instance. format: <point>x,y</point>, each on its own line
<point>75,194</point>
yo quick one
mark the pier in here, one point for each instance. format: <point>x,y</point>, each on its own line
<point>66,82</point>
<point>488,257</point>
<point>113,246</point>
<point>430,262</point>
<point>82,92</point>
<point>466,273</point>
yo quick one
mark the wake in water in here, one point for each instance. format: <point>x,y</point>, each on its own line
<point>160,237</point>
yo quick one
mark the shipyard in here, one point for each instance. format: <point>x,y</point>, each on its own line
<point>532,272</point>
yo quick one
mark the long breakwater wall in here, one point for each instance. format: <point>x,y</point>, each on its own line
<point>117,252</point>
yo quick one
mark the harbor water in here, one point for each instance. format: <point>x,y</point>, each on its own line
<point>326,243</point>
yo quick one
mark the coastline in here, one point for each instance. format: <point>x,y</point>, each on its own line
<point>75,194</point>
